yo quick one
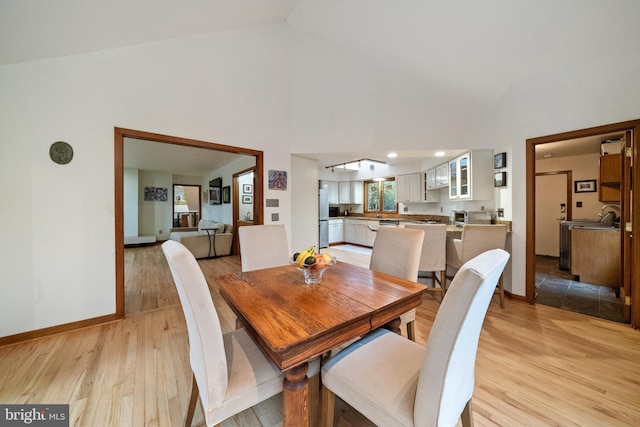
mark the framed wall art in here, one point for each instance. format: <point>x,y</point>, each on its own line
<point>500,161</point>
<point>226,194</point>
<point>277,180</point>
<point>585,186</point>
<point>247,199</point>
<point>500,179</point>
<point>156,194</point>
<point>247,189</point>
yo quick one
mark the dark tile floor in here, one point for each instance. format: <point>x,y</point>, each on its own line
<point>557,288</point>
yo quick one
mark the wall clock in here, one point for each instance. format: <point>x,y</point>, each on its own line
<point>61,152</point>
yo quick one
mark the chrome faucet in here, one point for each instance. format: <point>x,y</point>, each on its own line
<point>602,209</point>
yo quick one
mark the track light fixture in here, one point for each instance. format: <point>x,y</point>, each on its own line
<point>354,165</point>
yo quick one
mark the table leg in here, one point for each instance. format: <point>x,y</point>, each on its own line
<point>295,397</point>
<point>393,326</point>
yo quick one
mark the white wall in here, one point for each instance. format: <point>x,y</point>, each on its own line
<point>304,231</point>
<point>568,99</point>
<point>58,255</point>
<point>267,88</point>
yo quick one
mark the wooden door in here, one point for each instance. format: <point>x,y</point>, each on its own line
<point>552,206</point>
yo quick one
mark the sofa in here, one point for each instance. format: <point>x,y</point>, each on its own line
<point>198,242</point>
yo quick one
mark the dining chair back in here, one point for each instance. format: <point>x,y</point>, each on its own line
<point>476,239</point>
<point>433,258</point>
<point>433,386</point>
<point>396,251</point>
<point>230,373</point>
<point>263,246</point>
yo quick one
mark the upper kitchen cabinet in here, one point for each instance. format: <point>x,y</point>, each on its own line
<point>357,192</point>
<point>610,176</point>
<point>437,177</point>
<point>345,191</point>
<point>471,176</point>
<point>442,175</point>
<point>333,190</point>
<point>408,188</point>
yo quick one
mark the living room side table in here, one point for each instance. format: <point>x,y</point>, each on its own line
<point>212,242</point>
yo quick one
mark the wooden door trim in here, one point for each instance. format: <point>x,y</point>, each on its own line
<point>634,127</point>
<point>120,135</point>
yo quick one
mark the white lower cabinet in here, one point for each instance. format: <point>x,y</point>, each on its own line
<point>349,231</point>
<point>361,232</point>
<point>336,234</point>
<point>357,231</point>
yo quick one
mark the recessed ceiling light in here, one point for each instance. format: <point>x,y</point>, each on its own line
<point>392,155</point>
<point>439,153</point>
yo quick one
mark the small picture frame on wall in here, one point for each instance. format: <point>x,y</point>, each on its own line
<point>277,180</point>
<point>226,194</point>
<point>500,179</point>
<point>500,161</point>
<point>247,200</point>
<point>247,189</point>
<point>585,186</point>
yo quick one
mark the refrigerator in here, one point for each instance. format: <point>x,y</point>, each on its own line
<point>323,215</point>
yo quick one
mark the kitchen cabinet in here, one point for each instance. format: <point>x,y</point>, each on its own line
<point>430,179</point>
<point>335,231</point>
<point>333,191</point>
<point>349,230</point>
<point>361,232</point>
<point>471,176</point>
<point>437,177</point>
<point>442,175</point>
<point>344,192</point>
<point>357,192</point>
<point>610,176</point>
<point>429,193</point>
<point>595,256</point>
<point>408,188</point>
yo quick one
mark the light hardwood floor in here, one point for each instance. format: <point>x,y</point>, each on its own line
<point>536,365</point>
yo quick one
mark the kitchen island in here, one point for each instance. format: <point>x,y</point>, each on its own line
<point>595,255</point>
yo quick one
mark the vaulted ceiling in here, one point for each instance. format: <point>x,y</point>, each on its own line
<point>470,49</point>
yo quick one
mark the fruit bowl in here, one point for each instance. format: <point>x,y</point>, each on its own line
<point>313,273</point>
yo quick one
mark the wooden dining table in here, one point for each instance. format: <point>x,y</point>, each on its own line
<point>293,322</point>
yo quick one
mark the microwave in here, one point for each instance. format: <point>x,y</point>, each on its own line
<point>458,217</point>
<point>462,217</point>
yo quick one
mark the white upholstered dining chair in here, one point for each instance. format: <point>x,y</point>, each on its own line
<point>263,246</point>
<point>433,258</point>
<point>397,382</point>
<point>476,239</point>
<point>396,251</point>
<point>230,372</point>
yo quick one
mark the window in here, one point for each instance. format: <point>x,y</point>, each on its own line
<point>381,192</point>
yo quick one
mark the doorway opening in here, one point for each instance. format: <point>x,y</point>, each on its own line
<point>244,214</point>
<point>186,206</point>
<point>628,265</point>
<point>119,162</point>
